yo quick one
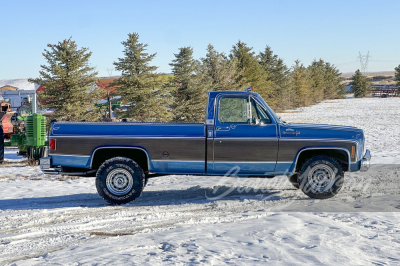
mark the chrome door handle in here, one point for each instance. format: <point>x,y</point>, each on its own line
<point>223,128</point>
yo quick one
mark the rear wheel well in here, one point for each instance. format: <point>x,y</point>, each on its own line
<point>138,155</point>
<point>341,156</point>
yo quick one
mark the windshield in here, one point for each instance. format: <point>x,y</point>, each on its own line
<point>261,101</point>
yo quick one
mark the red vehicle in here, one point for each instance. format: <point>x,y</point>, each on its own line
<point>5,117</point>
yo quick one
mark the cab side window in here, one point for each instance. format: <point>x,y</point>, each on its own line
<point>233,110</point>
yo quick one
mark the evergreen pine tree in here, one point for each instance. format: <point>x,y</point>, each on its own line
<point>301,84</point>
<point>317,77</point>
<point>68,82</point>
<point>221,72</point>
<point>278,75</point>
<point>190,87</point>
<point>140,86</point>
<point>333,83</point>
<point>251,72</point>
<point>361,84</point>
<point>397,77</point>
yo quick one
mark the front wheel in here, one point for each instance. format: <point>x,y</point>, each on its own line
<point>120,180</point>
<point>321,177</point>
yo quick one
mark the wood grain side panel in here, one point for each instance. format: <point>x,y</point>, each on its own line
<point>246,150</point>
<point>178,149</point>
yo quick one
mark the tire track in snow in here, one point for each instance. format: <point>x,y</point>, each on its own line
<point>66,236</point>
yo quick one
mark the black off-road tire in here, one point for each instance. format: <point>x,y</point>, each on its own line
<point>293,180</point>
<point>120,180</point>
<point>321,177</point>
<point>31,156</point>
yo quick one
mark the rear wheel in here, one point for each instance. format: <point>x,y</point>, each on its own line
<point>321,177</point>
<point>120,180</point>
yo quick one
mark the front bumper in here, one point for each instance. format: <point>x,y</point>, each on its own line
<point>365,161</point>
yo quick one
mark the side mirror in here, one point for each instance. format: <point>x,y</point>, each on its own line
<point>259,122</point>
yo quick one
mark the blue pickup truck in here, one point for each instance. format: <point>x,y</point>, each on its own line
<point>241,132</point>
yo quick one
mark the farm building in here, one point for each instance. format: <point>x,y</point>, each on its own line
<point>17,92</point>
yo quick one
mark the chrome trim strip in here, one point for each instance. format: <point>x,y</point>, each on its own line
<point>327,139</point>
<point>255,138</point>
<point>123,137</point>
<point>181,161</point>
<point>245,162</point>
<point>128,123</point>
<point>120,147</point>
<point>74,155</point>
<point>197,161</point>
<point>323,148</point>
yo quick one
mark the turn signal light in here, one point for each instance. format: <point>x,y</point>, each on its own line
<point>352,151</point>
<point>52,144</point>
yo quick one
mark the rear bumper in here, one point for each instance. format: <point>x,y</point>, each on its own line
<point>365,161</point>
<point>47,167</point>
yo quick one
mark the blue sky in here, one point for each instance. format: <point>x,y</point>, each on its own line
<point>335,31</point>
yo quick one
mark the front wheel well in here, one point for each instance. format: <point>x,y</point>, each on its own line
<point>341,156</point>
<point>137,155</point>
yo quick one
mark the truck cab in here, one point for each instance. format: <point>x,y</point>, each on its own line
<point>242,133</point>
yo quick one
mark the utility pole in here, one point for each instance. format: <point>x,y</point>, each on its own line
<point>109,70</point>
<point>364,61</point>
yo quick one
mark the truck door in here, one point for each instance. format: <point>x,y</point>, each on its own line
<point>245,137</point>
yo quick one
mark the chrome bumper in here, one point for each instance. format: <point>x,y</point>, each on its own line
<point>365,161</point>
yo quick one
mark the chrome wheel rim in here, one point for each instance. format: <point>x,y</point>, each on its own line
<point>119,181</point>
<point>321,177</point>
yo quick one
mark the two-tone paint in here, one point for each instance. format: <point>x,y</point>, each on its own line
<point>212,148</point>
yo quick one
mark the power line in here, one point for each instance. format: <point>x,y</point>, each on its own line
<point>364,61</point>
<point>110,70</point>
<point>347,63</point>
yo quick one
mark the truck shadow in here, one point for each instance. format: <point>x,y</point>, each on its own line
<point>196,195</point>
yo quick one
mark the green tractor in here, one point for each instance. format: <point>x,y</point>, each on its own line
<point>31,139</point>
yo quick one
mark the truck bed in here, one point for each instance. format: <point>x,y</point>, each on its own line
<point>171,147</point>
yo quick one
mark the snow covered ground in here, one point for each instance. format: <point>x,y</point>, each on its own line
<point>47,220</point>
